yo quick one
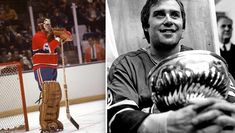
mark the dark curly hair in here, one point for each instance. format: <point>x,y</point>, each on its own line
<point>146,12</point>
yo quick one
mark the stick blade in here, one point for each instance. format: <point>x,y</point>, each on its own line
<point>72,121</point>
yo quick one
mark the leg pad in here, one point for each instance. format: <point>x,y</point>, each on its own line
<point>50,107</point>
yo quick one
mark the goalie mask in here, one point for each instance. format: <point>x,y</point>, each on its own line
<point>188,75</point>
<point>44,24</point>
<point>47,24</point>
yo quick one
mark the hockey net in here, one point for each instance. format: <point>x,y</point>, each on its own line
<point>13,113</point>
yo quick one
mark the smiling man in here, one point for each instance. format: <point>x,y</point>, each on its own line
<point>129,97</point>
<point>165,26</point>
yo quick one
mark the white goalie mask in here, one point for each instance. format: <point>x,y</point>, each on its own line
<point>47,24</point>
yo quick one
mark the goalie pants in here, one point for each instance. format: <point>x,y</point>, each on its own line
<point>45,74</point>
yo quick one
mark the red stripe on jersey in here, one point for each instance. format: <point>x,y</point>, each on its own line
<point>44,59</point>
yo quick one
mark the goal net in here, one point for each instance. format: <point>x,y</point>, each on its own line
<point>13,113</point>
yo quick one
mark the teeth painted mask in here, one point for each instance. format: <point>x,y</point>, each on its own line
<point>47,24</point>
<point>186,76</point>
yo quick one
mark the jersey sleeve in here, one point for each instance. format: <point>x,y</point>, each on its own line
<point>124,114</point>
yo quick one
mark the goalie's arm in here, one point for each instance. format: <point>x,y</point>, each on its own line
<point>124,114</point>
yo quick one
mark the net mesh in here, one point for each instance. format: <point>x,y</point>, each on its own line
<point>11,107</point>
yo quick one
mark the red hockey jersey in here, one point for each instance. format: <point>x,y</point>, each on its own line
<point>44,54</point>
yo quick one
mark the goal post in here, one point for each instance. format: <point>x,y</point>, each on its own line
<point>13,111</point>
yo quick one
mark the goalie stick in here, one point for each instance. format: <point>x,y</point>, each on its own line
<point>66,90</point>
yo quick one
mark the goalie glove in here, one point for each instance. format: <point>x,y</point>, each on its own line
<point>62,35</point>
<point>188,75</point>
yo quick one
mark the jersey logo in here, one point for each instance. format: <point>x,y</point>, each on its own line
<point>110,98</point>
<point>46,48</point>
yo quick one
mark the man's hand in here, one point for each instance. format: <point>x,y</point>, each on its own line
<point>220,114</point>
<point>180,121</point>
<point>201,116</point>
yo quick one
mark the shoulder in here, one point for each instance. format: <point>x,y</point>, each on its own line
<point>132,56</point>
<point>132,63</point>
<point>39,34</point>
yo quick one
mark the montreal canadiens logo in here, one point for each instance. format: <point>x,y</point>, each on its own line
<point>110,98</point>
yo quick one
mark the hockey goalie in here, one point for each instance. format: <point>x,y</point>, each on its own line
<point>45,47</point>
